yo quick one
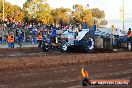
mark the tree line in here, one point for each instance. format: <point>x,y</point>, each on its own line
<point>39,11</point>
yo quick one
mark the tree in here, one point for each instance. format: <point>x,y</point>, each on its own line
<point>80,15</point>
<point>11,11</point>
<point>44,14</point>
<point>98,13</point>
<point>99,16</point>
<point>103,22</point>
<point>38,9</point>
<point>0,6</point>
<point>62,14</point>
<point>88,17</point>
<point>18,14</point>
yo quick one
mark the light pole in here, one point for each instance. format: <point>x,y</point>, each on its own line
<point>123,15</point>
<point>3,3</point>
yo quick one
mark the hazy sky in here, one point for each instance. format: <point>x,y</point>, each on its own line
<point>111,7</point>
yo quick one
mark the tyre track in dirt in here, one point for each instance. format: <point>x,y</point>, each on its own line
<point>65,76</point>
<point>25,69</point>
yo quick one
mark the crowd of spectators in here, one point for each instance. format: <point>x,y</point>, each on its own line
<point>28,32</point>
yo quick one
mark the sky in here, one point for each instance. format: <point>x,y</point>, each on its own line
<point>111,7</point>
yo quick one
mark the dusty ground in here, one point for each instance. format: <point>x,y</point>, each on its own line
<point>57,70</point>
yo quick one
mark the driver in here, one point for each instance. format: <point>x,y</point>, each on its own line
<point>129,33</point>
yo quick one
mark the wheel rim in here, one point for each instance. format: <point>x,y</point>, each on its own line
<point>129,46</point>
<point>64,47</point>
<point>46,48</point>
<point>91,46</point>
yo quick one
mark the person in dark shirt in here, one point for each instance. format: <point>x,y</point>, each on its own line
<point>129,31</point>
<point>20,39</point>
<point>0,39</point>
<point>84,26</point>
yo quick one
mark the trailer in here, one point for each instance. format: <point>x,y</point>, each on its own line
<point>116,39</point>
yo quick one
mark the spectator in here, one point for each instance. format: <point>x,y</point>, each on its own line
<point>8,40</point>
<point>12,40</point>
<point>20,39</point>
<point>84,26</point>
<point>129,32</point>
<point>53,35</point>
<point>40,38</point>
<point>0,39</point>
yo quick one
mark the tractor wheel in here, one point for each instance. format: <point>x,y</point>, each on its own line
<point>129,46</point>
<point>90,45</point>
<point>45,48</point>
<point>64,47</point>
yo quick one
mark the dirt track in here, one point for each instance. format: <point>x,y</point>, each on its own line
<point>18,61</point>
<point>65,76</point>
<point>41,70</point>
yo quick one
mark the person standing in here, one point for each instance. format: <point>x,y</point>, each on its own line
<point>8,40</point>
<point>129,39</point>
<point>12,40</point>
<point>0,39</point>
<point>84,26</point>
<point>54,35</point>
<point>129,33</point>
<point>20,39</point>
<point>40,38</point>
<point>80,28</point>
